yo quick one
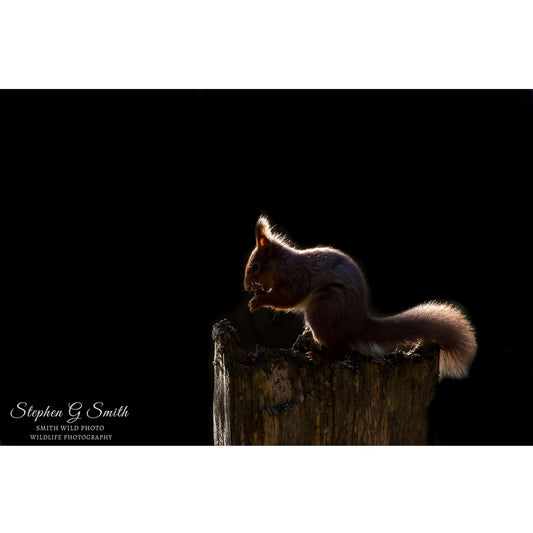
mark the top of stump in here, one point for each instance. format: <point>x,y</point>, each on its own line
<point>225,335</point>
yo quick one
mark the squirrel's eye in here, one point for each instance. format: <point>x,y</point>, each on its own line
<point>255,268</point>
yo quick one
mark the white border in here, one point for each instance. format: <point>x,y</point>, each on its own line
<point>265,489</point>
<point>259,44</point>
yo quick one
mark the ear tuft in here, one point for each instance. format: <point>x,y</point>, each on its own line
<point>262,225</point>
<point>262,232</point>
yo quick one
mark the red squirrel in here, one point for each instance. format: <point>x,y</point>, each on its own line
<point>329,288</point>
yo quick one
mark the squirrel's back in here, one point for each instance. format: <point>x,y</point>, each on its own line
<point>326,266</point>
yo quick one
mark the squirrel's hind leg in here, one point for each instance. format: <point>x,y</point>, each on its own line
<point>328,322</point>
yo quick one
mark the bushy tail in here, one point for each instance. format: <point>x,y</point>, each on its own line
<point>437,322</point>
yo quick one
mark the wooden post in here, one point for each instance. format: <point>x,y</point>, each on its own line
<point>283,397</point>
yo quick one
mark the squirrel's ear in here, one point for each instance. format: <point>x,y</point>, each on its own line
<point>263,242</point>
<point>262,233</point>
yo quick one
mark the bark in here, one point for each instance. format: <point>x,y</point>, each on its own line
<point>284,397</point>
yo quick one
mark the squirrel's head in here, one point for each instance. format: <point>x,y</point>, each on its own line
<point>260,269</point>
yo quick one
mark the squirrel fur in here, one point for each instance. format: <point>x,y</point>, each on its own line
<point>329,288</point>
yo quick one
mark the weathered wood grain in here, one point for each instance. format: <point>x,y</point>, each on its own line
<point>271,397</point>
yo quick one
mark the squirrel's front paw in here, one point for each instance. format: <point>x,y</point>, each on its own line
<point>255,303</point>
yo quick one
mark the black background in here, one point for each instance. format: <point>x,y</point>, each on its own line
<point>129,215</point>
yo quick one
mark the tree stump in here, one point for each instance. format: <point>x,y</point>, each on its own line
<point>283,397</point>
